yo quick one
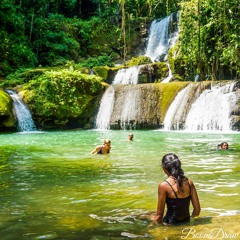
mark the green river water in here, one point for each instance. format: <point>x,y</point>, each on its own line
<point>52,187</point>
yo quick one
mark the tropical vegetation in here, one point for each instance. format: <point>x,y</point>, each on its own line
<point>49,50</point>
<point>101,32</point>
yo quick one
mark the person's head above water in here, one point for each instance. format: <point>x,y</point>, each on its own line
<point>171,165</point>
<point>107,142</point>
<point>223,145</point>
<point>130,137</point>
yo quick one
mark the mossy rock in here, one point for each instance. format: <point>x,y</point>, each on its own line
<point>7,120</point>
<point>160,71</point>
<point>107,73</point>
<point>167,94</point>
<point>171,57</point>
<point>135,61</point>
<point>62,99</point>
<point>101,71</point>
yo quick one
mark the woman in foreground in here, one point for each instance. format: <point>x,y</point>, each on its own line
<point>177,191</point>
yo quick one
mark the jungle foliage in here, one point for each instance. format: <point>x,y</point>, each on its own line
<point>62,98</point>
<point>39,33</point>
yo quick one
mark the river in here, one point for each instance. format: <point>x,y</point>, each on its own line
<point>53,188</point>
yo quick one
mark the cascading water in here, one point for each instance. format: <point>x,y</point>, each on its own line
<point>123,76</point>
<point>130,108</point>
<point>174,113</point>
<point>160,40</point>
<point>23,114</point>
<point>127,76</point>
<point>211,111</point>
<point>105,109</point>
<point>167,79</point>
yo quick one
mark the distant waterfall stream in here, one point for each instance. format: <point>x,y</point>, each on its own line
<point>161,40</point>
<point>22,113</point>
<point>158,39</point>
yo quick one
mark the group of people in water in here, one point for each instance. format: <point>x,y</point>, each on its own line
<point>176,192</point>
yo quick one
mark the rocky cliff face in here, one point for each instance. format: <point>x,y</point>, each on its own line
<point>235,114</point>
<point>136,106</point>
<point>144,106</point>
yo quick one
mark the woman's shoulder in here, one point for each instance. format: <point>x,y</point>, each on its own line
<point>163,185</point>
<point>98,147</point>
<point>190,181</point>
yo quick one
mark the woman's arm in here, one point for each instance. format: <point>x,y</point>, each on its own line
<point>162,193</point>
<point>96,150</point>
<point>194,200</point>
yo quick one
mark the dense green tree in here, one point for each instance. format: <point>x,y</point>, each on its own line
<point>14,50</point>
<point>51,33</point>
<point>213,49</point>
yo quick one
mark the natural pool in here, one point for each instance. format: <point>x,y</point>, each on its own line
<point>53,188</point>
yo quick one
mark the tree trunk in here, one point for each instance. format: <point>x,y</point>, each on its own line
<point>79,8</point>
<point>199,42</point>
<point>124,33</point>
<point>31,28</point>
<point>99,8</point>
<point>214,69</point>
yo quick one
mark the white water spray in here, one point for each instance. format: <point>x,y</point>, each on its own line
<point>127,76</point>
<point>160,40</point>
<point>170,75</point>
<point>123,76</point>
<point>130,108</point>
<point>158,44</point>
<point>23,114</point>
<point>174,112</point>
<point>211,111</point>
<point>105,109</point>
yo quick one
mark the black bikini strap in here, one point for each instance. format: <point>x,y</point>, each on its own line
<point>171,188</point>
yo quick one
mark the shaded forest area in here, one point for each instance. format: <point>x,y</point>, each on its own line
<point>40,33</point>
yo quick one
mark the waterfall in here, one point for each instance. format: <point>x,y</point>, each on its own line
<point>123,76</point>
<point>211,111</point>
<point>174,112</point>
<point>23,114</point>
<point>127,76</point>
<point>105,109</point>
<point>130,108</point>
<point>160,40</point>
<point>169,77</point>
